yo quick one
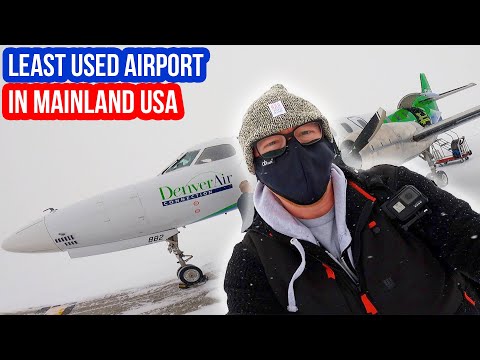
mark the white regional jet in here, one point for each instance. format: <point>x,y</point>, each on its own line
<point>204,182</point>
<point>201,183</point>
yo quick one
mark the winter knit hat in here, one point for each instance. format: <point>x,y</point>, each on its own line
<point>275,110</point>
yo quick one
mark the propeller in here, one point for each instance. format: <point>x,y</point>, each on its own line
<point>350,150</point>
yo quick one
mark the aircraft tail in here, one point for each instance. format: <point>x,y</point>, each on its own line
<point>423,105</point>
<point>428,100</point>
<point>430,96</point>
<point>424,83</point>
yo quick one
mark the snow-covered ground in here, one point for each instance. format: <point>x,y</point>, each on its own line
<point>162,298</point>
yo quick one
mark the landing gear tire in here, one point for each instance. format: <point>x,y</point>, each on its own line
<point>441,178</point>
<point>190,275</point>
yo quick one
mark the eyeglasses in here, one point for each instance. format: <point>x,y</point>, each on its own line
<point>275,145</point>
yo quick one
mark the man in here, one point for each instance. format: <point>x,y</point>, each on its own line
<point>321,242</point>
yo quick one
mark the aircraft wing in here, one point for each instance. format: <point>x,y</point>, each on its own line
<point>448,124</point>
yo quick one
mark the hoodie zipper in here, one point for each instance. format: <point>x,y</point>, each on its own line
<point>357,280</point>
<point>345,268</point>
<point>363,298</point>
<point>349,281</point>
<point>338,266</point>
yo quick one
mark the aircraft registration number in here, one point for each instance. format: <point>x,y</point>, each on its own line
<point>155,238</point>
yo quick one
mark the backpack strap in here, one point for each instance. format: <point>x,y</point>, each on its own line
<point>380,181</point>
<point>384,175</point>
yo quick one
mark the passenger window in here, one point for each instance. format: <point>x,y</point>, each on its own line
<point>214,153</point>
<point>184,161</point>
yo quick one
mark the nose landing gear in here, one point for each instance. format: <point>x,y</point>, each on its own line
<point>188,274</point>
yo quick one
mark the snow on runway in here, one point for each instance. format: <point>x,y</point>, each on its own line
<point>164,298</point>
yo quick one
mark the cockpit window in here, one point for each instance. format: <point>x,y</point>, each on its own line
<point>215,153</point>
<point>347,127</point>
<point>184,161</point>
<point>362,122</point>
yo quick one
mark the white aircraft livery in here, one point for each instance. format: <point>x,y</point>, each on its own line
<point>201,183</point>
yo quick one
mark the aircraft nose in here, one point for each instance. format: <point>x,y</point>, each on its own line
<point>33,238</point>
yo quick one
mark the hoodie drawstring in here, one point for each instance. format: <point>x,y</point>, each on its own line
<point>292,306</point>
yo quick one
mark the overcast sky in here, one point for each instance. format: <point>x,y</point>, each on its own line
<point>53,164</point>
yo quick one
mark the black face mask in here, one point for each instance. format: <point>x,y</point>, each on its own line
<point>301,174</point>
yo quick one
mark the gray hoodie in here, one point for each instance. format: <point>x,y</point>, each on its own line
<point>274,214</point>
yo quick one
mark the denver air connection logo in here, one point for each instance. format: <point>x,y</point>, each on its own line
<point>195,189</point>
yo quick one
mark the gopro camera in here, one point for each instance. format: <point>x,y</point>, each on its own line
<point>405,204</point>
